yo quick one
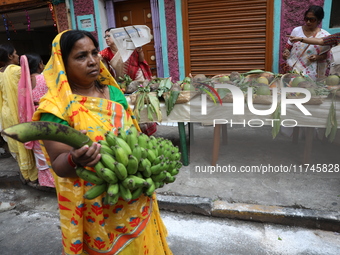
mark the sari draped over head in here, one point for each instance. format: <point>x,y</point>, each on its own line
<point>300,53</point>
<point>89,226</point>
<point>9,80</point>
<point>26,110</point>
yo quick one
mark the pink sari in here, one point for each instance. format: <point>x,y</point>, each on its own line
<point>26,98</point>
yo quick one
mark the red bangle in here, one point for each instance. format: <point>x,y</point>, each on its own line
<point>70,161</point>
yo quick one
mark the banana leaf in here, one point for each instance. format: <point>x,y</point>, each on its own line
<point>164,86</point>
<point>154,107</point>
<point>139,105</point>
<point>170,101</point>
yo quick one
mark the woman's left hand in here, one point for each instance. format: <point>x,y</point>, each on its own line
<point>294,39</point>
<point>313,58</point>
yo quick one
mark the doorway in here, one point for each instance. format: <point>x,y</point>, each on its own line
<point>137,12</point>
<point>29,29</point>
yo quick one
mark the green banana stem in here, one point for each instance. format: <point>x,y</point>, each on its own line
<point>46,130</point>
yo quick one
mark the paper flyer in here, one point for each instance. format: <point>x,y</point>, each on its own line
<point>130,37</point>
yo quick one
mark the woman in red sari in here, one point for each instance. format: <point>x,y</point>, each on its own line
<point>136,66</point>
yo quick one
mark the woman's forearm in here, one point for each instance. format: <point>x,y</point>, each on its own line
<point>317,41</point>
<point>140,54</point>
<point>63,166</point>
<point>322,57</point>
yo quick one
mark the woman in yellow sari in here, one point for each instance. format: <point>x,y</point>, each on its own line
<point>9,79</point>
<point>83,95</point>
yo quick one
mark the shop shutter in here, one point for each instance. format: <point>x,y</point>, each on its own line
<point>227,35</point>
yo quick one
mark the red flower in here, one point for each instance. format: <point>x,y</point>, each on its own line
<point>96,208</point>
<point>99,137</point>
<point>111,236</point>
<point>80,209</point>
<point>102,223</point>
<point>90,219</point>
<point>145,210</point>
<point>74,221</point>
<point>121,229</point>
<point>134,221</point>
<point>87,237</point>
<point>99,243</point>
<point>76,246</point>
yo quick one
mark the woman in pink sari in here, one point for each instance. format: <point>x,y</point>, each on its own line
<point>31,88</point>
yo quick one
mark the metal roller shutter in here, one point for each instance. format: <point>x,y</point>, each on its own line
<point>227,35</point>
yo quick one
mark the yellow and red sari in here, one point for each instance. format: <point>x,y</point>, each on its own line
<point>9,113</point>
<point>88,226</point>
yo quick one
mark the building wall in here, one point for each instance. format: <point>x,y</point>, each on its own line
<point>61,17</point>
<point>85,7</point>
<point>170,13</point>
<point>291,12</point>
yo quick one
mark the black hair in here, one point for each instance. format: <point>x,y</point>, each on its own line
<point>108,30</point>
<point>34,60</point>
<point>317,11</point>
<point>69,38</point>
<point>6,49</point>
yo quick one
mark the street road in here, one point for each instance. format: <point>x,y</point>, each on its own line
<point>32,228</point>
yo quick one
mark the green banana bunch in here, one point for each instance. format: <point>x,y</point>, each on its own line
<point>131,163</point>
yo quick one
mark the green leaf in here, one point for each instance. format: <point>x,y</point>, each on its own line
<point>170,101</point>
<point>154,103</point>
<point>164,86</point>
<point>139,105</point>
<point>210,94</point>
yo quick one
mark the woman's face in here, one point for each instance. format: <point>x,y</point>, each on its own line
<point>14,58</point>
<point>83,63</point>
<point>311,20</point>
<point>108,39</point>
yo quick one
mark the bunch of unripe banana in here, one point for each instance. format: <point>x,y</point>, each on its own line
<point>131,164</point>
